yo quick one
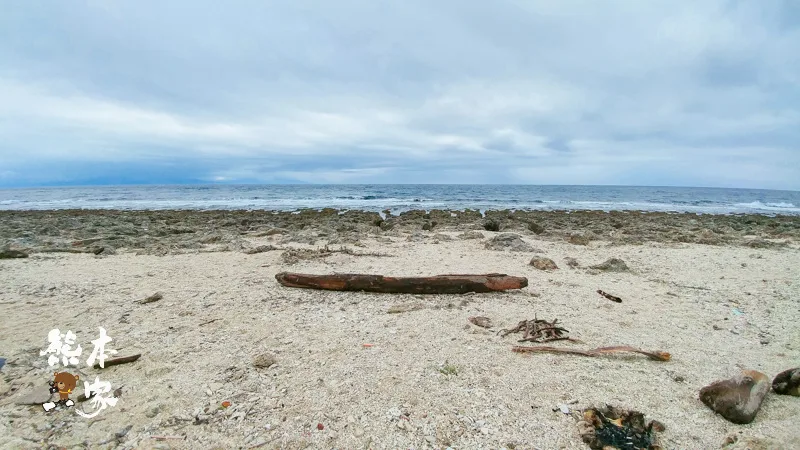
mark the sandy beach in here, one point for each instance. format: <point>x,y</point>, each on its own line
<point>719,293</point>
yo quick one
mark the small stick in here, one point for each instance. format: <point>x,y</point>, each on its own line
<point>116,361</point>
<point>208,322</point>
<point>613,298</point>
<point>162,438</point>
<point>657,355</point>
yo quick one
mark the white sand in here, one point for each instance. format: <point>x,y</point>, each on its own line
<point>671,302</point>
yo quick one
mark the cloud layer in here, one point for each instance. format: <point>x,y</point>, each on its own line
<point>702,93</point>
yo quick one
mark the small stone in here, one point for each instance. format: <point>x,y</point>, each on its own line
<point>484,430</point>
<point>12,254</point>
<point>264,360</point>
<point>787,382</point>
<point>572,262</point>
<point>152,412</point>
<point>121,433</point>
<point>431,439</point>
<point>320,426</point>
<point>481,321</point>
<point>612,265</point>
<point>209,393</point>
<point>543,263</point>
<point>153,298</point>
<point>737,399</point>
<point>394,413</point>
<point>358,431</point>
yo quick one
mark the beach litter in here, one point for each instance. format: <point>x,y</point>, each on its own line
<point>538,330</point>
<point>613,298</point>
<point>657,355</point>
<point>615,428</point>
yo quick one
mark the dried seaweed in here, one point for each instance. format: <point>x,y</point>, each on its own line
<point>657,355</point>
<point>538,330</point>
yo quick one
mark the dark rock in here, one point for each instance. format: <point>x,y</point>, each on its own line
<point>543,263</point>
<point>264,360</point>
<point>737,399</point>
<point>471,235</point>
<point>427,226</point>
<point>612,265</point>
<point>10,254</point>
<point>760,243</point>
<point>509,241</point>
<point>536,228</point>
<point>787,382</point>
<point>491,225</point>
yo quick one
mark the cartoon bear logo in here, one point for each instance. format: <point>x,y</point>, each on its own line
<point>63,383</point>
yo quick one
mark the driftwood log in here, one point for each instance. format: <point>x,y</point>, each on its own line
<point>439,284</point>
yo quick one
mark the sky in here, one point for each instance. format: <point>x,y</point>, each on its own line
<point>699,93</point>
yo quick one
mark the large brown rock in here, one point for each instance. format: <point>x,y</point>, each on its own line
<point>737,399</point>
<point>787,382</point>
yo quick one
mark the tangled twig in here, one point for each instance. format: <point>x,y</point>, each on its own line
<point>538,330</point>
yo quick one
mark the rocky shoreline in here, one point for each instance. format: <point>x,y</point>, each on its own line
<point>162,232</point>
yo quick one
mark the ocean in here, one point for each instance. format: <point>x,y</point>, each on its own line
<point>399,198</point>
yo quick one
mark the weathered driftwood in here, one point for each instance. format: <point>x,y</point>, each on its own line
<point>439,284</point>
<point>117,361</point>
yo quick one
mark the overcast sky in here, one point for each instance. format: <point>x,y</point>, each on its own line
<point>683,93</point>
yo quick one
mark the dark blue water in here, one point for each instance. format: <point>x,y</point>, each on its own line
<point>400,198</point>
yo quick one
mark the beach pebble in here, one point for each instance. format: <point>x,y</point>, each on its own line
<point>481,321</point>
<point>35,396</point>
<point>572,262</point>
<point>542,263</point>
<point>264,360</point>
<point>737,399</point>
<point>787,382</point>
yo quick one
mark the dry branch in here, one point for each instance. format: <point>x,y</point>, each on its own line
<point>439,284</point>
<point>117,361</point>
<point>657,355</point>
<point>613,298</point>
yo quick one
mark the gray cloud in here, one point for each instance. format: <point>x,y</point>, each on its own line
<point>694,93</point>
